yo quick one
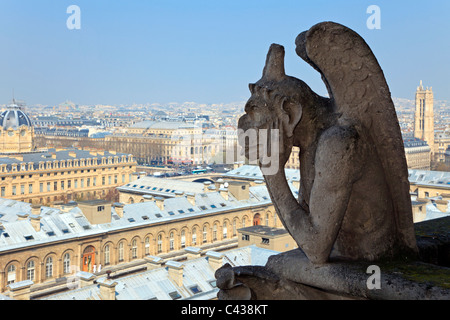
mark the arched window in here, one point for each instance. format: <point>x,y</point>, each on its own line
<point>107,255</point>
<point>147,246</point>
<point>183,238</point>
<point>49,268</point>
<point>134,249</point>
<point>267,219</point>
<point>30,270</point>
<point>172,241</point>
<point>11,277</point>
<point>225,230</point>
<point>194,236</point>
<point>214,232</point>
<point>120,251</point>
<point>205,233</point>
<point>234,227</point>
<point>66,263</point>
<point>159,243</point>
<point>243,222</point>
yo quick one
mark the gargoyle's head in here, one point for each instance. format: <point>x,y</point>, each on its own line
<point>275,103</point>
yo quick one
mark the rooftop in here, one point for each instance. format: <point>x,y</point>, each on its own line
<point>198,279</point>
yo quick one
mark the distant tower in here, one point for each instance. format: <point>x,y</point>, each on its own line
<point>424,115</point>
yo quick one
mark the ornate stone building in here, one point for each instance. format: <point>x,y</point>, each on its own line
<point>424,124</point>
<point>418,153</point>
<point>48,175</point>
<point>16,131</point>
<point>46,245</point>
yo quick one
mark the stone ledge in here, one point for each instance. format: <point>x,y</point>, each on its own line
<point>399,281</point>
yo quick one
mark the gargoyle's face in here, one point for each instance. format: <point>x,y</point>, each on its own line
<point>259,115</point>
<point>267,126</point>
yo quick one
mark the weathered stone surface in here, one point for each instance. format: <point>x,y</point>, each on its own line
<point>354,189</point>
<point>354,207</point>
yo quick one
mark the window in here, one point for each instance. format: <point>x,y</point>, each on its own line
<point>195,289</point>
<point>107,255</point>
<point>29,237</point>
<point>76,183</point>
<point>49,268</point>
<point>159,243</point>
<point>14,190</point>
<point>55,186</point>
<point>3,192</point>
<point>30,270</point>
<point>225,230</point>
<point>147,246</point>
<point>30,188</point>
<point>194,236</point>
<point>48,187</point>
<point>62,185</point>
<point>134,249</point>
<point>22,189</point>
<point>245,237</point>
<point>172,241</point>
<point>205,234</point>
<point>174,295</point>
<point>265,241</point>
<point>183,238</point>
<point>11,277</point>
<point>234,227</point>
<point>66,263</point>
<point>215,232</point>
<point>109,179</point>
<point>121,251</point>
<point>100,208</point>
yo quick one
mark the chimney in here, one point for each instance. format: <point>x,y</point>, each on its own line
<point>219,183</point>
<point>193,252</point>
<point>179,193</point>
<point>142,174</point>
<point>147,197</point>
<point>240,190</point>
<point>175,272</point>
<point>86,278</point>
<point>238,164</point>
<point>35,209</point>
<point>160,203</point>
<point>191,198</point>
<point>153,262</point>
<point>215,259</point>
<point>22,216</point>
<point>224,193</point>
<point>442,205</point>
<point>36,222</point>
<point>206,185</point>
<point>118,207</point>
<point>107,289</point>
<point>20,290</point>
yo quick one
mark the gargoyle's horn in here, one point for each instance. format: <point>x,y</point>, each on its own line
<point>274,69</point>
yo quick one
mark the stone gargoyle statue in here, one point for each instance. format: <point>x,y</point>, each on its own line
<point>354,202</point>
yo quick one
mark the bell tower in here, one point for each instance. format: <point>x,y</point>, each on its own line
<point>424,115</point>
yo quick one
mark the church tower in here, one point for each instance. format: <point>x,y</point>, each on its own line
<point>424,115</point>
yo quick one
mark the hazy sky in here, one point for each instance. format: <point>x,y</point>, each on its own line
<point>140,51</point>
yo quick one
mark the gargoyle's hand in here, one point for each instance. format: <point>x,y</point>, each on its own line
<point>245,283</point>
<point>283,145</point>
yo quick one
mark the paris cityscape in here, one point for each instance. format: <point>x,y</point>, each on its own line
<point>128,182</point>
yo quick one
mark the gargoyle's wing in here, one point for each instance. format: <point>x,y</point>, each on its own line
<point>358,89</point>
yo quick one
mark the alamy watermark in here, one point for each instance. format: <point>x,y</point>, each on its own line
<point>374,281</point>
<point>374,20</point>
<point>73,22</point>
